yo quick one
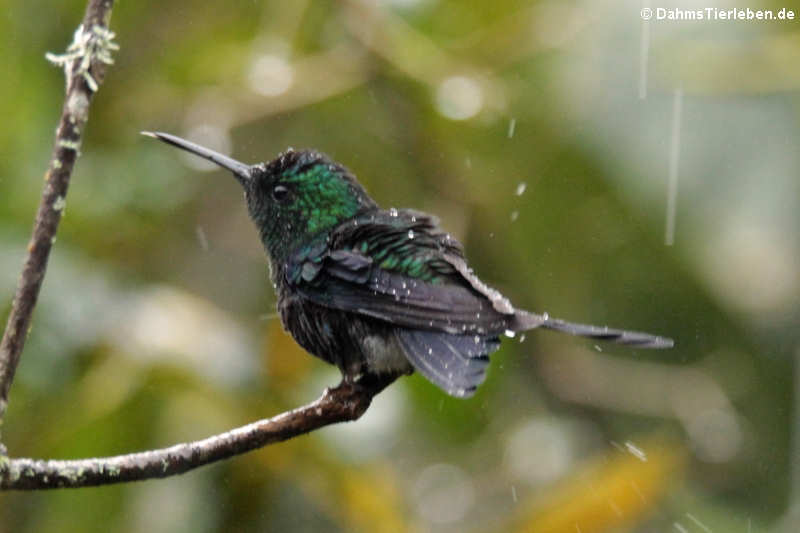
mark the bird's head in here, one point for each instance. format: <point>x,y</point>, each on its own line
<point>294,197</point>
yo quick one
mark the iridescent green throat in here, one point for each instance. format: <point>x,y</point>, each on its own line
<point>323,199</point>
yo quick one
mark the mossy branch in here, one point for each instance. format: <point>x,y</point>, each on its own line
<point>84,65</point>
<point>346,402</point>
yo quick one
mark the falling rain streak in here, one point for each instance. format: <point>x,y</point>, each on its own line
<point>701,525</point>
<point>201,238</point>
<point>512,125</point>
<point>674,157</point>
<point>636,451</point>
<point>644,53</point>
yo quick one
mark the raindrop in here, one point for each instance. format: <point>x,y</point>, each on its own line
<point>411,234</point>
<point>521,188</point>
<point>201,238</point>
<point>674,158</point>
<point>514,216</point>
<point>636,451</point>
<point>512,125</point>
<point>615,508</point>
<point>697,521</point>
<point>644,57</point>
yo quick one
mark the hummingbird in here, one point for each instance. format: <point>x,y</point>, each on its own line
<point>380,293</point>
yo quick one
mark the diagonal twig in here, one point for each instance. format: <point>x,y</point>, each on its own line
<point>84,65</point>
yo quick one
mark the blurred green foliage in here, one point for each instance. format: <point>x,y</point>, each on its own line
<point>541,133</point>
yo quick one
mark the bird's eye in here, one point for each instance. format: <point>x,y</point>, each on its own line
<point>280,193</point>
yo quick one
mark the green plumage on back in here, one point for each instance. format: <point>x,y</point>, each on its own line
<point>405,242</point>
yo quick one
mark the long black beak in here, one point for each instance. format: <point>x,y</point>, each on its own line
<point>242,172</point>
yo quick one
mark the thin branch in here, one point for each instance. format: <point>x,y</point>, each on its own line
<point>84,65</point>
<point>346,402</point>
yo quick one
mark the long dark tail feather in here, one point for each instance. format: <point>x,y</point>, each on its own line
<point>525,320</point>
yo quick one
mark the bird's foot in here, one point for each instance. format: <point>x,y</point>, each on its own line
<point>373,383</point>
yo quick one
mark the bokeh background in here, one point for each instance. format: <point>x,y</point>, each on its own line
<point>603,169</point>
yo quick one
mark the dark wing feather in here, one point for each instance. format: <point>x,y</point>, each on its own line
<point>401,269</point>
<point>456,363</point>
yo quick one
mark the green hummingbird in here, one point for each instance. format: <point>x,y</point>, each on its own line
<point>378,293</point>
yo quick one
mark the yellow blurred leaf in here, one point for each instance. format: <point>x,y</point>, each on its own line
<point>372,501</point>
<point>607,495</point>
<point>287,363</point>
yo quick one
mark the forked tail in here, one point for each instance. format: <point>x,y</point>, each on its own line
<point>526,320</point>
